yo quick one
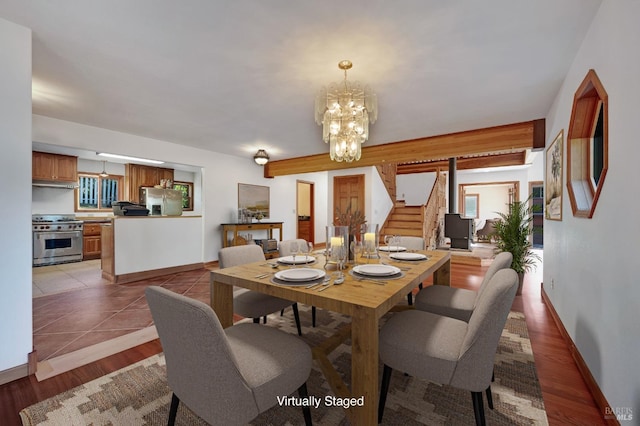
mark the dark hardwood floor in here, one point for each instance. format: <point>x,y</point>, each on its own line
<point>566,397</point>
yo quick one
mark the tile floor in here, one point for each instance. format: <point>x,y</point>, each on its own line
<point>74,308</point>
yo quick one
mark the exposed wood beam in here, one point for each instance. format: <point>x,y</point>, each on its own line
<point>498,160</point>
<point>515,136</point>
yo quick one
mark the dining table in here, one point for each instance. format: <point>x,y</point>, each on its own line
<point>365,300</point>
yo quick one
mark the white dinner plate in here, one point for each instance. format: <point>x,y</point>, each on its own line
<point>408,256</point>
<point>392,248</point>
<point>376,270</point>
<point>300,274</point>
<point>299,260</point>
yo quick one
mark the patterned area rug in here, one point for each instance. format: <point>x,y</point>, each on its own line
<point>139,395</point>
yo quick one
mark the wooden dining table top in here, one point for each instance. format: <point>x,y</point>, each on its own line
<point>343,298</point>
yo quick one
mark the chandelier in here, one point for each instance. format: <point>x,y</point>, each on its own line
<point>345,111</point>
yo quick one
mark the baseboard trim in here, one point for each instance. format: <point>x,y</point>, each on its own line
<point>145,275</point>
<point>592,385</point>
<point>14,373</point>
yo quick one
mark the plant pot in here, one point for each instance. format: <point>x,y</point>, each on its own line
<point>520,282</point>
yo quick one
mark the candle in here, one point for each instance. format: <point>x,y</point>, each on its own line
<point>336,241</point>
<point>370,241</point>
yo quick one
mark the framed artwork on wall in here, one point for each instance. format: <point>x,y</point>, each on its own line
<point>255,199</point>
<point>553,178</point>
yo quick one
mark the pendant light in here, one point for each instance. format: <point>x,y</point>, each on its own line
<point>104,170</point>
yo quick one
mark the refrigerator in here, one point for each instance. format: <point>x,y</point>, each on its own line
<point>161,202</point>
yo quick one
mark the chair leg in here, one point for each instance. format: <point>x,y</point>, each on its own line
<point>175,401</point>
<point>410,298</point>
<point>296,315</point>
<point>489,397</point>
<point>420,286</point>
<point>264,319</point>
<point>281,312</point>
<point>384,388</point>
<point>313,316</point>
<point>478,408</point>
<point>256,320</point>
<point>306,410</point>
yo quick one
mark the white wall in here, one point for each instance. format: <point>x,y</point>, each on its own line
<point>414,188</point>
<point>592,263</point>
<point>15,173</point>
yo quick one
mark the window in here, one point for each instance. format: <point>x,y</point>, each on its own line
<point>587,146</point>
<point>187,194</point>
<point>471,202</point>
<point>95,192</point>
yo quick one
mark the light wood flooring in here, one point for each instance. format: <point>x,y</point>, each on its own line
<point>566,397</point>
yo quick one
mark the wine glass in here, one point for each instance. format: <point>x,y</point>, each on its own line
<point>388,240</point>
<point>356,249</point>
<point>310,247</point>
<point>293,248</point>
<point>303,250</point>
<point>342,258</point>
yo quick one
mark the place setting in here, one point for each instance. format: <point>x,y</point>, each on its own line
<point>299,277</point>
<point>378,272</point>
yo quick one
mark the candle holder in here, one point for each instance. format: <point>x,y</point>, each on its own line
<point>370,241</point>
<point>337,246</point>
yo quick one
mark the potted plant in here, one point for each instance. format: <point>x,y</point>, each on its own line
<point>512,231</point>
<point>353,220</point>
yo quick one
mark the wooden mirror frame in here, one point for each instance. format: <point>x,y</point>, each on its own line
<point>590,101</point>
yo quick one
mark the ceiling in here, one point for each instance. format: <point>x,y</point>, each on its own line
<point>232,77</point>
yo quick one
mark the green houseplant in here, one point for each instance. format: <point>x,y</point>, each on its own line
<point>513,231</point>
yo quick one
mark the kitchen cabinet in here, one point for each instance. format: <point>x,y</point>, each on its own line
<point>91,241</point>
<point>54,167</point>
<point>137,176</point>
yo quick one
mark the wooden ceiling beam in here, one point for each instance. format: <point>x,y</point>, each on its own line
<point>517,136</point>
<point>498,160</point>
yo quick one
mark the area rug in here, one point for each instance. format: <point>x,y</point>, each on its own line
<point>139,395</point>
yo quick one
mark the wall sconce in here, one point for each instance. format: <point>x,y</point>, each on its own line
<point>261,158</point>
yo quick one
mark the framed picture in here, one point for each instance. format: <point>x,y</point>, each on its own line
<point>553,178</point>
<point>255,199</point>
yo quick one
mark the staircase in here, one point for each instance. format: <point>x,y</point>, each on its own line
<point>425,221</point>
<point>404,220</point>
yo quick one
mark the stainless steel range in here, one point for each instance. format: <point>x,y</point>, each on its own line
<point>56,239</point>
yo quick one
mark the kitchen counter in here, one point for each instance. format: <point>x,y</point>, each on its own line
<point>136,248</point>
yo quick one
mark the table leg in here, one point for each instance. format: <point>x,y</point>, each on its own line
<point>442,276</point>
<point>364,366</point>
<point>222,302</point>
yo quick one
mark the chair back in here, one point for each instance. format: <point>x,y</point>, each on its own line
<point>475,365</point>
<point>412,243</point>
<point>501,261</point>
<point>239,255</point>
<point>284,248</point>
<point>201,369</point>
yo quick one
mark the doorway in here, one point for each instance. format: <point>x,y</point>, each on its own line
<point>304,210</point>
<point>536,192</point>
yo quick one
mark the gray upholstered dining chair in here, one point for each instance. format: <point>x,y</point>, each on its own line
<point>225,376</point>
<point>253,304</point>
<point>285,249</point>
<point>458,303</point>
<point>411,243</point>
<point>447,350</point>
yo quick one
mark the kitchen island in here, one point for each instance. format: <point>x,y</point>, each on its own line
<point>142,247</point>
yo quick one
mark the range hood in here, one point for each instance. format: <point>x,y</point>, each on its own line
<point>55,185</point>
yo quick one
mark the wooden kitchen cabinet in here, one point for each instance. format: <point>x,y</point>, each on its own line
<point>138,176</point>
<point>91,241</point>
<point>54,167</point>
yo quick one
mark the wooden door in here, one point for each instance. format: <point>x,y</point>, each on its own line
<point>348,191</point>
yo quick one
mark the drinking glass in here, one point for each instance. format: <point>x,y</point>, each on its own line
<point>293,247</point>
<point>356,249</point>
<point>342,259</point>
